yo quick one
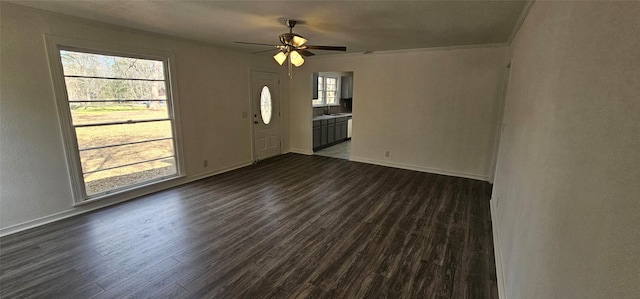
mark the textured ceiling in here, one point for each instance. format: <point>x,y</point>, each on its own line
<point>359,25</point>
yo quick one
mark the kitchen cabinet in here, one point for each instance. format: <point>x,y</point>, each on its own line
<point>317,137</point>
<point>346,87</point>
<point>330,131</point>
<point>341,128</point>
<point>315,86</point>
<point>323,133</point>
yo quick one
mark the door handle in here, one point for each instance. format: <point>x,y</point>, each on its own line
<point>255,122</point>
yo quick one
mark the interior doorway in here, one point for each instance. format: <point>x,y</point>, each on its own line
<point>332,114</point>
<point>265,102</point>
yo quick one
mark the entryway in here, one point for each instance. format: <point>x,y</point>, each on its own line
<point>265,98</point>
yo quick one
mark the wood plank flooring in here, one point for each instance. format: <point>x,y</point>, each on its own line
<point>292,226</point>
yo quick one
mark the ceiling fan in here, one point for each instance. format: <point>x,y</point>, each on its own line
<point>293,46</point>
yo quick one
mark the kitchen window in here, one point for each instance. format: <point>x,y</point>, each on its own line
<point>118,115</point>
<point>327,91</point>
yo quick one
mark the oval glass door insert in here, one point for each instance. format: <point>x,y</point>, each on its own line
<point>265,105</point>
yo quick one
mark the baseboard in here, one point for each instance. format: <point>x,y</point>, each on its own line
<point>39,221</point>
<point>301,151</point>
<point>106,202</point>
<point>420,168</point>
<point>496,251</point>
<point>219,171</point>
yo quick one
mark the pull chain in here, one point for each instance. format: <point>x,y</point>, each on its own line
<point>290,66</point>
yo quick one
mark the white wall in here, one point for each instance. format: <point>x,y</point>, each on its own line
<point>434,110</point>
<point>568,175</point>
<point>213,92</point>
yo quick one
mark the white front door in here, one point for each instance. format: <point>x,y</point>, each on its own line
<point>265,98</point>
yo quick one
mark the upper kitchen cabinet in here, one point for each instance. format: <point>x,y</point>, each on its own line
<point>315,86</point>
<point>346,87</point>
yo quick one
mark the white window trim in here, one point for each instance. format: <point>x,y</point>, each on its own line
<point>324,92</point>
<point>56,43</point>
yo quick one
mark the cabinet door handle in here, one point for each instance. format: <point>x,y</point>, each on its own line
<point>255,122</point>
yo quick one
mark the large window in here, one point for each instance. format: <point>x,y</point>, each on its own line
<point>121,121</point>
<point>327,91</point>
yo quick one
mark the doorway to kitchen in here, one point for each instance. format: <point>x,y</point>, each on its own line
<point>332,106</point>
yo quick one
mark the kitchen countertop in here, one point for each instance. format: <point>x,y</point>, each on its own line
<point>321,117</point>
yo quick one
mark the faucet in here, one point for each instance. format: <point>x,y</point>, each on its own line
<point>328,110</point>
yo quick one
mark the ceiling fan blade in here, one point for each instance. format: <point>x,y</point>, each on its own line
<point>329,48</point>
<point>305,53</point>
<point>268,50</point>
<point>258,44</point>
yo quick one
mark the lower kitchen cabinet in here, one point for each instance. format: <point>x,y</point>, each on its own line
<point>323,133</point>
<point>341,129</point>
<point>331,131</point>
<point>327,132</point>
<point>317,135</point>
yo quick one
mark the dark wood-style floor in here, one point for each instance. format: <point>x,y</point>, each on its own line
<point>292,226</point>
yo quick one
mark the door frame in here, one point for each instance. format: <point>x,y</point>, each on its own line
<point>252,129</point>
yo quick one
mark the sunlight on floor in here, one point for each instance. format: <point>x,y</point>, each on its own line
<point>340,151</point>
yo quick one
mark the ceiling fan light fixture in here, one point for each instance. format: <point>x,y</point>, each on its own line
<point>293,47</point>
<point>296,58</point>
<point>280,57</point>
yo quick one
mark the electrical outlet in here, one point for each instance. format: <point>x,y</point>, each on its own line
<point>387,154</point>
<point>205,163</point>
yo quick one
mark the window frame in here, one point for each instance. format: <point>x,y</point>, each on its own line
<point>54,45</point>
<point>322,94</point>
